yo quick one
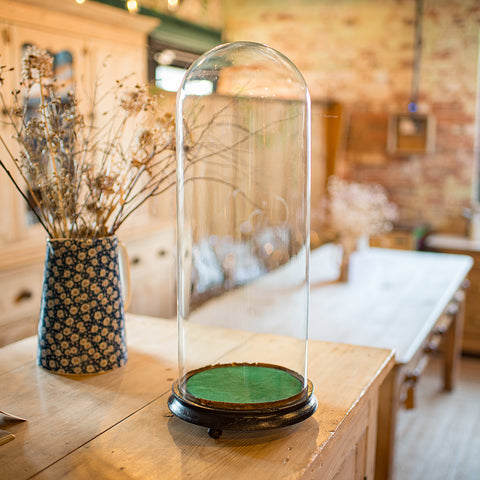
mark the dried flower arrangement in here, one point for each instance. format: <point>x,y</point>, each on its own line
<point>84,179</point>
<point>353,209</point>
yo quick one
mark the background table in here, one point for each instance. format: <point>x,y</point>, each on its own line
<point>409,301</point>
<point>117,425</point>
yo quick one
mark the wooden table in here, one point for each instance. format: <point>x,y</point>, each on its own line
<point>408,301</point>
<point>117,425</point>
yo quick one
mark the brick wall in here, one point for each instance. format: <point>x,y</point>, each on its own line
<point>360,53</point>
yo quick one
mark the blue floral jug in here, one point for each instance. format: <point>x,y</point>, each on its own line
<point>82,321</point>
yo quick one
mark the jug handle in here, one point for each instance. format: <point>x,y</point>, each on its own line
<point>124,266</point>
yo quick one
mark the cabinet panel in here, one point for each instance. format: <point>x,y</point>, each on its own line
<point>471,329</point>
<point>71,62</point>
<point>152,272</point>
<point>7,192</point>
<point>347,470</point>
<point>354,466</point>
<point>20,292</point>
<point>20,296</point>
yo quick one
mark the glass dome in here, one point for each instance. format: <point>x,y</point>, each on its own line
<point>243,213</point>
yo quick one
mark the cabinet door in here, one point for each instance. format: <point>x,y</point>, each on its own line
<point>115,61</point>
<point>471,331</point>
<point>8,195</point>
<point>111,62</point>
<point>53,42</point>
<point>354,464</point>
<point>20,296</point>
<point>70,61</point>
<point>152,271</point>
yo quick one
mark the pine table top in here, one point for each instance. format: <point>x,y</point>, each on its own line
<point>117,425</point>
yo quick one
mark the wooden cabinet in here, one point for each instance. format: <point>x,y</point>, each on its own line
<point>461,245</point>
<point>130,427</point>
<point>354,458</point>
<point>152,272</point>
<point>21,289</point>
<point>401,240</point>
<point>91,34</point>
<point>151,253</point>
<point>471,330</point>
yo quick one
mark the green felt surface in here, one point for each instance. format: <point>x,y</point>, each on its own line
<point>243,384</point>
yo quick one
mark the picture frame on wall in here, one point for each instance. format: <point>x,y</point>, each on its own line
<point>366,138</point>
<point>411,134</point>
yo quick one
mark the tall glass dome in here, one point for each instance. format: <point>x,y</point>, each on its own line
<point>243,213</point>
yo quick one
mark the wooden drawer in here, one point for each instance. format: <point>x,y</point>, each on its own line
<point>473,325</point>
<point>472,311</point>
<point>20,293</point>
<point>152,272</point>
<point>20,297</point>
<point>353,454</point>
<point>471,329</point>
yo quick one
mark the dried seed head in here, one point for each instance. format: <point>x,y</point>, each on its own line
<point>136,100</point>
<point>36,64</point>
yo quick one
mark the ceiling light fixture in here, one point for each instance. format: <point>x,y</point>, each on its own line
<point>132,6</point>
<point>172,5</point>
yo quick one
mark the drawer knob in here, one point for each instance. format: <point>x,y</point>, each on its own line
<point>440,330</point>
<point>23,295</point>
<point>135,260</point>
<point>452,309</point>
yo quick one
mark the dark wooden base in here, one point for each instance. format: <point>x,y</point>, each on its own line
<point>217,420</point>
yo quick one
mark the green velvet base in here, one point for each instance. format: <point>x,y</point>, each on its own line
<point>243,384</point>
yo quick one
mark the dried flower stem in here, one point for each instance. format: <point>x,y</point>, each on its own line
<point>84,179</point>
<point>32,206</point>
<point>52,157</point>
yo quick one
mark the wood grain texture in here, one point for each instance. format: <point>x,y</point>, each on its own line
<point>388,402</point>
<point>17,354</point>
<point>392,300</point>
<point>117,425</point>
